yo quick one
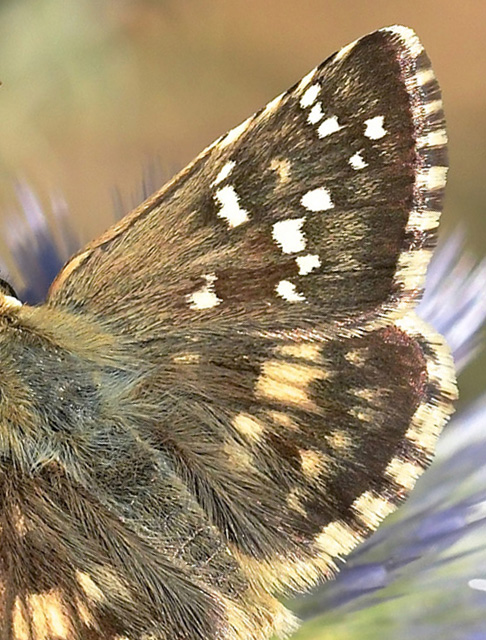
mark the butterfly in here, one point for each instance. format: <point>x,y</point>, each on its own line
<point>227,391</point>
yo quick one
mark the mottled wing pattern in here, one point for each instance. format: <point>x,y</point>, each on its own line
<point>322,207</point>
<point>268,395</point>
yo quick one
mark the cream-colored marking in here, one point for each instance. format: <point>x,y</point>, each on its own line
<point>337,539</point>
<point>230,207</point>
<point>432,107</point>
<point>91,589</point>
<point>49,618</point>
<point>411,268</point>
<point>294,502</point>
<point>424,77</point>
<point>224,173</point>
<point>410,323</point>
<point>9,302</point>
<point>288,382</point>
<point>205,297</point>
<point>432,178</point>
<point>310,351</point>
<point>374,128</point>
<point>339,440</point>
<point>330,125</point>
<point>249,426</point>
<point>186,358</point>
<point>345,50</point>
<point>235,133</point>
<point>289,235</point>
<point>292,571</point>
<point>433,139</point>
<point>306,80</point>
<point>403,473</point>
<point>357,161</point>
<point>309,96</point>
<point>315,114</point>
<point>20,625</point>
<point>317,200</point>
<point>363,414</point>
<point>18,521</point>
<point>435,370</point>
<point>409,38</point>
<point>423,220</point>
<point>358,357</point>
<point>83,612</point>
<point>272,106</point>
<point>288,291</point>
<point>425,427</point>
<point>372,508</point>
<point>313,462</point>
<point>283,419</point>
<point>282,167</point>
<point>370,395</point>
<point>307,263</point>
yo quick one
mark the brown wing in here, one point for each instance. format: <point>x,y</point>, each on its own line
<point>322,207</point>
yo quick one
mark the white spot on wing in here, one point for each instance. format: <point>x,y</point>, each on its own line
<point>357,161</point>
<point>224,173</point>
<point>317,200</point>
<point>307,263</point>
<point>374,128</point>
<point>230,207</point>
<point>309,96</point>
<point>330,125</point>
<point>315,114</point>
<point>204,298</point>
<point>287,291</point>
<point>289,235</point>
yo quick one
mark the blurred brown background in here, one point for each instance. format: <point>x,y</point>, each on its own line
<point>94,90</point>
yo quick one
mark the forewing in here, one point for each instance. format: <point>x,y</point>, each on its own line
<point>323,206</point>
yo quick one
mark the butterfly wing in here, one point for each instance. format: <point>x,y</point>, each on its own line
<point>266,395</point>
<point>322,207</point>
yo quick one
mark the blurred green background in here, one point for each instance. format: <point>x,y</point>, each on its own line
<point>94,91</point>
